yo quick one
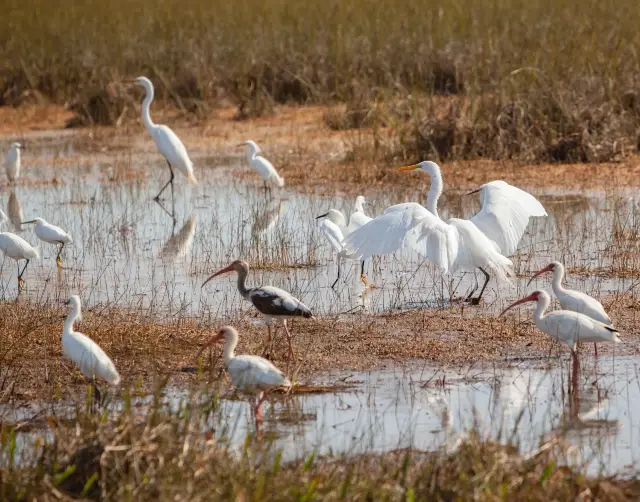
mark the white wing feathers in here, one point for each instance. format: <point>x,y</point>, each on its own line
<point>173,149</point>
<point>333,234</point>
<point>505,214</point>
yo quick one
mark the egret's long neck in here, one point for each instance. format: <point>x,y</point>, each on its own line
<point>242,279</point>
<point>71,318</point>
<point>434,191</point>
<point>230,347</point>
<point>146,106</point>
<point>558,275</point>
<point>253,152</point>
<point>543,303</point>
<point>359,206</point>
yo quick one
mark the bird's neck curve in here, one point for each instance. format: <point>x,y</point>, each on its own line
<point>242,279</point>
<point>558,276</point>
<point>146,109</point>
<point>230,347</point>
<point>539,314</point>
<point>71,318</point>
<point>434,191</point>
<point>358,206</point>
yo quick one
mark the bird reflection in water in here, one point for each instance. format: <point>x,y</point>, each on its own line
<point>178,245</point>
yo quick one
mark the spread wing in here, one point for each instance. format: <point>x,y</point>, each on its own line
<point>505,214</point>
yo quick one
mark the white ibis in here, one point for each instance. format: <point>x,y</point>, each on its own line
<point>274,303</point>
<point>566,325</point>
<point>481,242</point>
<point>17,248</point>
<point>167,142</point>
<point>84,352</point>
<point>262,166</point>
<point>12,162</point>
<point>51,234</point>
<point>249,374</point>
<point>574,300</point>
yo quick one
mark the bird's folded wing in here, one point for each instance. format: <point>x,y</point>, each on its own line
<point>505,214</point>
<point>333,234</point>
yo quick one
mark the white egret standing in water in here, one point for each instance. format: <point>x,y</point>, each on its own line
<point>480,242</point>
<point>250,374</point>
<point>92,361</point>
<point>51,234</point>
<point>17,248</point>
<point>12,162</point>
<point>167,142</point>
<point>264,168</point>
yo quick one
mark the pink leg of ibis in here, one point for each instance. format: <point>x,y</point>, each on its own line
<point>595,349</point>
<point>258,409</point>
<point>291,353</point>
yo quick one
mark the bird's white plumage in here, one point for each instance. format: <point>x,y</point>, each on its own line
<point>358,218</point>
<point>16,247</point>
<point>167,142</point>
<point>92,361</point>
<point>332,233</point>
<point>51,233</point>
<point>12,162</point>
<point>262,166</point>
<point>505,214</point>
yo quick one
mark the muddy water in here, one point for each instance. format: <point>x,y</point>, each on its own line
<point>128,252</point>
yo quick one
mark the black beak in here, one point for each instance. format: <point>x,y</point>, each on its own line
<point>473,191</point>
<point>321,216</point>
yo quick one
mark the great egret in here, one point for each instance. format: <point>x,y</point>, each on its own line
<point>17,248</point>
<point>574,300</point>
<point>167,142</point>
<point>84,352</point>
<point>250,374</point>
<point>335,229</point>
<point>12,162</point>
<point>51,234</point>
<point>264,168</point>
<point>567,326</point>
<point>480,242</point>
<point>274,303</point>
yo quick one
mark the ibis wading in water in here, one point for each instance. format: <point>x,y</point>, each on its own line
<point>51,234</point>
<point>17,248</point>
<point>85,353</point>
<point>335,229</point>
<point>249,374</point>
<point>12,162</point>
<point>574,300</point>
<point>167,142</point>
<point>274,303</point>
<point>482,242</point>
<point>262,166</point>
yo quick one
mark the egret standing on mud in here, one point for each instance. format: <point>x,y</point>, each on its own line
<point>274,303</point>
<point>481,242</point>
<point>84,352</point>
<point>18,249</point>
<point>167,142</point>
<point>12,162</point>
<point>264,168</point>
<point>574,300</point>
<point>51,234</point>
<point>250,374</point>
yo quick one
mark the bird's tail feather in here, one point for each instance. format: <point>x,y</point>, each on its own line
<point>192,177</point>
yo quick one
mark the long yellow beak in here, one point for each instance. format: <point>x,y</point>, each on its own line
<point>408,168</point>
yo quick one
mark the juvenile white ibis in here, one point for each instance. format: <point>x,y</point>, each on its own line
<point>262,166</point>
<point>51,234</point>
<point>12,162</point>
<point>85,353</point>
<point>482,242</point>
<point>334,228</point>
<point>566,325</point>
<point>167,142</point>
<point>249,374</point>
<point>274,303</point>
<point>17,248</point>
<point>574,300</point>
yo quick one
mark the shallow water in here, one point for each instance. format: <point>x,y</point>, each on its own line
<point>127,252</point>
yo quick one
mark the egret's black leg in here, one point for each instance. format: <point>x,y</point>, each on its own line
<point>337,278</point>
<point>363,277</point>
<point>20,281</point>
<point>170,182</point>
<point>487,277</point>
<point>58,260</point>
<point>475,288</point>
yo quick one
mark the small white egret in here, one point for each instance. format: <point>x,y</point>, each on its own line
<point>92,361</point>
<point>167,142</point>
<point>17,248</point>
<point>274,303</point>
<point>249,374</point>
<point>12,162</point>
<point>51,234</point>
<point>264,168</point>
<point>574,300</point>
<point>480,242</point>
<point>334,227</point>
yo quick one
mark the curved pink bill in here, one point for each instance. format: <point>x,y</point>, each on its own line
<point>209,343</point>
<point>548,268</point>
<point>533,297</point>
<point>219,272</point>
